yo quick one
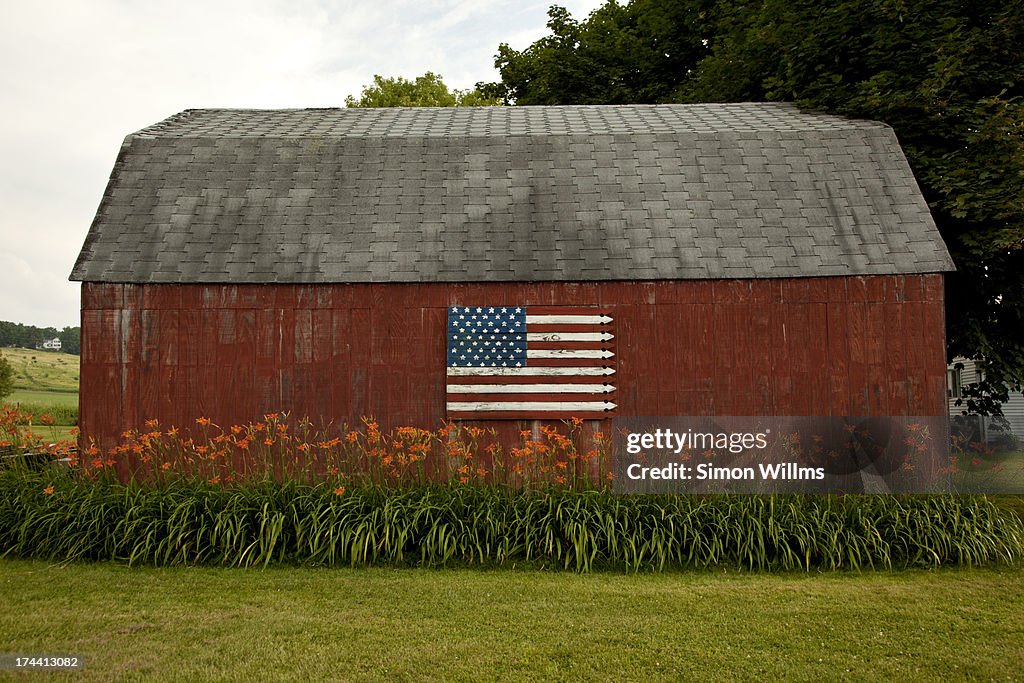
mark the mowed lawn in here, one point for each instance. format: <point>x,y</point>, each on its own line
<point>408,624</point>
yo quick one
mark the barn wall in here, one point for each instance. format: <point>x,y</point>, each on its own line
<point>809,346</point>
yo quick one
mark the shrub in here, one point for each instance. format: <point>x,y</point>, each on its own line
<point>6,377</point>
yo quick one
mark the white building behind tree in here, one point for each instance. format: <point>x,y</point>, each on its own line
<point>970,373</point>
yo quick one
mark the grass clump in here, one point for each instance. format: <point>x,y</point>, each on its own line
<point>59,517</point>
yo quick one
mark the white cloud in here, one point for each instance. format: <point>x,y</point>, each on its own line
<point>80,76</point>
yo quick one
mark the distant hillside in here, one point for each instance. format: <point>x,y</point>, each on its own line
<point>42,371</point>
<point>30,336</point>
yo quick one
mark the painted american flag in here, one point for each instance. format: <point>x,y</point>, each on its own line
<point>530,362</point>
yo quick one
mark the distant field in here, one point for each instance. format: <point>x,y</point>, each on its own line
<point>45,383</point>
<point>60,398</point>
<point>48,371</point>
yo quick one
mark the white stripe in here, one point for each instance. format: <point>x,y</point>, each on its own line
<point>567,319</point>
<point>568,336</point>
<point>526,372</point>
<point>569,353</point>
<point>585,406</point>
<point>530,388</point>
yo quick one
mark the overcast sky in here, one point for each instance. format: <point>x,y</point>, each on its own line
<point>81,74</point>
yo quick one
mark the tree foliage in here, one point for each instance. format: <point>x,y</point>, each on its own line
<point>946,75</point>
<point>427,90</point>
<point>30,336</point>
<point>634,53</point>
<point>6,378</point>
<point>71,340</point>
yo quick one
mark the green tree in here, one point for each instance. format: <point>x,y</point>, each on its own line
<point>71,340</point>
<point>945,74</point>
<point>6,378</point>
<point>427,90</point>
<point>635,53</point>
<point>27,336</point>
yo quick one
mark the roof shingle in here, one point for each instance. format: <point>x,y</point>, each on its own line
<point>509,193</point>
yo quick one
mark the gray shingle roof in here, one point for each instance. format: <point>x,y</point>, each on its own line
<point>509,193</point>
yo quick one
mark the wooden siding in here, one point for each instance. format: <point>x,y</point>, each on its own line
<point>872,345</point>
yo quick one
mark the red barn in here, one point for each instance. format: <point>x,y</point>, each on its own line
<point>741,259</point>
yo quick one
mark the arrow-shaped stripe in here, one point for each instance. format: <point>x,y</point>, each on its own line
<point>584,406</point>
<point>530,388</point>
<point>527,372</point>
<point>569,336</point>
<point>567,319</point>
<point>569,353</point>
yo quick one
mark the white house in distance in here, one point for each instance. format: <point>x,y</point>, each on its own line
<point>52,344</point>
<point>1013,409</point>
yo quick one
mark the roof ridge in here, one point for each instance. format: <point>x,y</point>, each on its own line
<point>496,121</point>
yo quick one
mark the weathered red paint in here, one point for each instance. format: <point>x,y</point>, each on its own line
<point>811,346</point>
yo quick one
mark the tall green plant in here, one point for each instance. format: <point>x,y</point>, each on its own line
<point>57,516</point>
